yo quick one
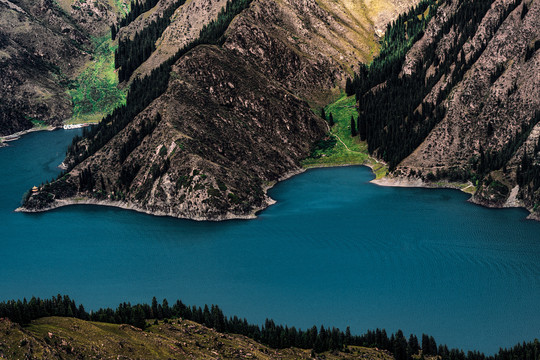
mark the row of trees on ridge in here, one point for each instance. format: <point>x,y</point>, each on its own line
<point>276,336</point>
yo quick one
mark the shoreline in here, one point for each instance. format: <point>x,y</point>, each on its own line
<point>268,201</point>
<point>419,183</point>
<point>127,206</point>
<point>17,135</point>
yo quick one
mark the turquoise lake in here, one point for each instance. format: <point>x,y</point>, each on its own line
<point>334,250</point>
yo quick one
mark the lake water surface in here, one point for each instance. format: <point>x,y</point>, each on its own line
<point>334,250</point>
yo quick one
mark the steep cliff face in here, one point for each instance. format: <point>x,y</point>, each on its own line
<point>487,90</point>
<point>232,121</point>
<point>310,46</point>
<point>42,47</point>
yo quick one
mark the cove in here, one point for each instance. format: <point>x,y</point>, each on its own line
<point>334,250</point>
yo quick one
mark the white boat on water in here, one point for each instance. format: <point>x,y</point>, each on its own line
<point>74,126</point>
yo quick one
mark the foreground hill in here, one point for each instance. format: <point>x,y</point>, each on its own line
<point>58,328</point>
<point>212,127</point>
<point>69,338</point>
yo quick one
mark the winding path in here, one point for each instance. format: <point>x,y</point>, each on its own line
<point>346,147</point>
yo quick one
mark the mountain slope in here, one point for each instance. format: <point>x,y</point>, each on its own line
<point>186,23</point>
<point>462,103</point>
<point>34,67</point>
<point>232,120</point>
<point>496,101</point>
<point>310,46</point>
<point>43,48</point>
<point>332,35</point>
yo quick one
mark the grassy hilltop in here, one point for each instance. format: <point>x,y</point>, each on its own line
<point>69,338</point>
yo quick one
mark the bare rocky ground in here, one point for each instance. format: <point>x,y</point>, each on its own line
<point>69,338</point>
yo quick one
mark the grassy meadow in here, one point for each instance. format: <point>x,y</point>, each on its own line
<point>340,147</point>
<point>95,91</point>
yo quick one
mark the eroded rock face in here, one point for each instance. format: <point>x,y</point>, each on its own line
<point>488,108</point>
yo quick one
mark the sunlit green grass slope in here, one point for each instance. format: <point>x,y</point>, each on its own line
<point>95,91</point>
<point>348,150</point>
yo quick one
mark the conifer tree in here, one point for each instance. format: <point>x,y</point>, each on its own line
<point>331,120</point>
<point>154,312</point>
<point>139,317</point>
<point>349,89</point>
<point>400,346</point>
<point>353,127</point>
<point>113,32</point>
<point>412,346</point>
<point>362,130</point>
